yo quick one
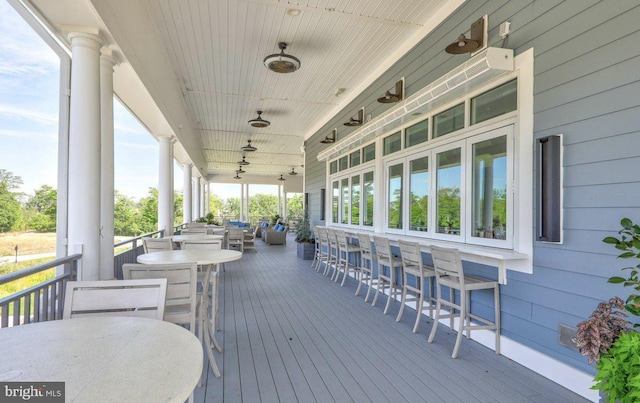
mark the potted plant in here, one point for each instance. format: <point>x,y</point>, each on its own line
<point>608,339</point>
<point>304,239</point>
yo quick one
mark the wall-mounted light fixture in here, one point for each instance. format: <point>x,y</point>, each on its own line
<point>259,122</point>
<point>476,40</point>
<point>332,139</point>
<point>390,98</point>
<point>357,121</point>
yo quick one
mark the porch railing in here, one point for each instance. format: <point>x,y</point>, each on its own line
<point>41,302</point>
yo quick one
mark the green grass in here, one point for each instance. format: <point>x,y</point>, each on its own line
<point>25,282</point>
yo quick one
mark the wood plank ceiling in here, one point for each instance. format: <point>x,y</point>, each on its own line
<point>217,47</point>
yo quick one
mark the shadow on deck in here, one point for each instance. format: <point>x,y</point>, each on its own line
<point>289,334</point>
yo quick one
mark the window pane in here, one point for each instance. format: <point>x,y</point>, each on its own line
<point>419,191</point>
<point>448,192</point>
<point>495,102</point>
<point>335,200</point>
<point>369,153</point>
<point>333,167</point>
<point>355,158</point>
<point>367,202</point>
<point>448,121</point>
<point>392,143</point>
<point>416,134</point>
<point>355,200</point>
<point>489,211</point>
<point>343,163</point>
<point>345,201</point>
<point>395,197</point>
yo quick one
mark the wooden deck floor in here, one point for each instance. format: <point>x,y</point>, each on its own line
<point>291,335</point>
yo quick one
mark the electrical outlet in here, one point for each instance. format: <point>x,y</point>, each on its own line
<point>567,336</point>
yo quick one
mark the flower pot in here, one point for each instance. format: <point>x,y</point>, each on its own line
<point>305,250</point>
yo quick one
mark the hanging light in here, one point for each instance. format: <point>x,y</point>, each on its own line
<point>249,147</point>
<point>281,178</point>
<point>243,162</point>
<point>293,172</point>
<point>259,122</point>
<point>240,170</point>
<point>237,177</point>
<point>282,62</point>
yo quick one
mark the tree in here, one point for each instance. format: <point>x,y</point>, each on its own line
<point>148,209</point>
<point>125,216</point>
<point>44,207</point>
<point>294,206</point>
<point>9,204</point>
<point>216,205</point>
<point>262,205</point>
<point>232,206</point>
<point>178,214</point>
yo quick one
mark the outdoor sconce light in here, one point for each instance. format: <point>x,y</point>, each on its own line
<point>356,121</point>
<point>471,44</point>
<point>332,139</point>
<point>390,98</point>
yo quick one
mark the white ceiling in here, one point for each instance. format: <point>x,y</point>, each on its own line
<point>210,52</point>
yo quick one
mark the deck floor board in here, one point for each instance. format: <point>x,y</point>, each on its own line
<point>290,334</point>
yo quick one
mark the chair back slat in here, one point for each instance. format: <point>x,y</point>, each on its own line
<point>447,262</point>
<point>115,298</point>
<point>341,239</point>
<point>383,249</point>
<point>202,244</point>
<point>365,243</point>
<point>156,244</point>
<point>411,257</point>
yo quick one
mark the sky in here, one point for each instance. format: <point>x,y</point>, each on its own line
<point>29,97</point>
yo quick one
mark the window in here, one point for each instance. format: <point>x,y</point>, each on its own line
<point>448,121</point>
<point>369,153</point>
<point>495,102</point>
<point>394,189</point>
<point>489,197</point>
<point>448,186</point>
<point>419,194</point>
<point>335,200</point>
<point>392,143</point>
<point>416,134</point>
<point>354,158</point>
<point>333,167</point>
<point>355,200</point>
<point>343,163</point>
<point>345,201</point>
<point>367,199</point>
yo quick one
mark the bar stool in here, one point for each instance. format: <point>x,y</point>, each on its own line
<point>323,247</point>
<point>386,259</point>
<point>449,273</point>
<point>413,265</point>
<point>332,250</point>
<point>344,264</point>
<point>317,249</point>
<point>366,270</point>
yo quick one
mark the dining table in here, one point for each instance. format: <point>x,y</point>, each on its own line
<point>194,237</point>
<point>104,359</point>
<point>203,257</point>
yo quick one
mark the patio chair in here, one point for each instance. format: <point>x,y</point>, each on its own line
<point>366,265</point>
<point>413,265</point>
<point>250,239</point>
<point>235,239</point>
<point>386,259</point>
<point>345,249</point>
<point>156,244</point>
<point>332,253</point>
<point>137,298</point>
<point>449,273</point>
<point>275,237</point>
<point>322,244</point>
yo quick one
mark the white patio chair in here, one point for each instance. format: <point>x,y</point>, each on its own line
<point>449,273</point>
<point>366,265</point>
<point>137,298</point>
<point>332,253</point>
<point>386,259</point>
<point>249,241</point>
<point>345,249</point>
<point>413,265</point>
<point>323,248</point>
<point>156,244</point>
<point>235,239</point>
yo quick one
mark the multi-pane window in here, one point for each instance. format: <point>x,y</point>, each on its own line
<point>354,158</point>
<point>448,121</point>
<point>416,134</point>
<point>333,167</point>
<point>369,153</point>
<point>392,143</point>
<point>495,102</point>
<point>343,163</point>
<point>367,199</point>
<point>345,201</point>
<point>489,200</point>
<point>335,201</point>
<point>394,197</point>
<point>419,194</point>
<point>448,186</point>
<point>355,200</point>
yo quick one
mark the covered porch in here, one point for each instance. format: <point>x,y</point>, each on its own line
<point>290,334</point>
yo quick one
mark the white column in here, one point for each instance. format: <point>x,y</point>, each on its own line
<point>241,218</point>
<point>197,198</point>
<point>186,192</point>
<point>84,153</point>
<point>207,199</point>
<point>203,193</point>
<point>284,204</point>
<point>280,200</point>
<point>165,186</point>
<point>106,161</point>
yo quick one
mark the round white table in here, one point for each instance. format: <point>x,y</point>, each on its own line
<point>200,256</point>
<point>105,359</point>
<point>194,237</point>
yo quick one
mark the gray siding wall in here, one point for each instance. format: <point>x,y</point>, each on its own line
<point>587,86</point>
